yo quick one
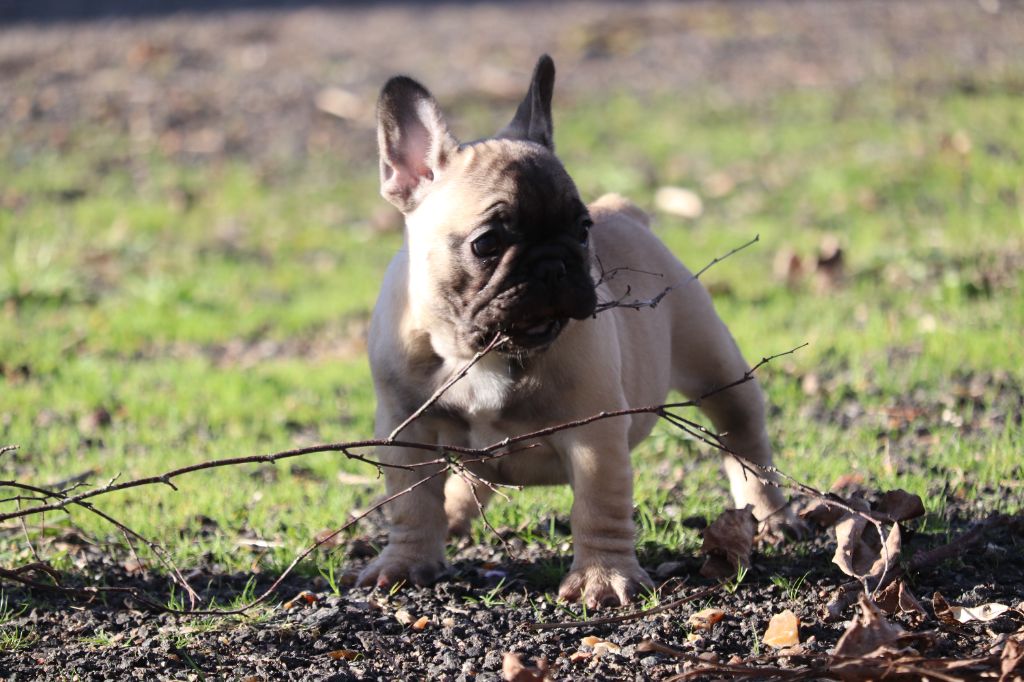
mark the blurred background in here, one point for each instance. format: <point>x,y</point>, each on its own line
<point>191,238</point>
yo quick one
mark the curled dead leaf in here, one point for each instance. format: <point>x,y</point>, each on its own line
<point>514,670</point>
<point>303,598</point>
<point>868,633</point>
<point>728,542</point>
<point>859,550</point>
<point>600,646</point>
<point>1011,658</point>
<point>821,513</point>
<point>783,630</point>
<point>899,505</point>
<point>421,623</point>
<point>952,613</point>
<point>983,613</point>
<point>343,654</point>
<point>941,608</point>
<point>705,619</point>
<point>896,598</point>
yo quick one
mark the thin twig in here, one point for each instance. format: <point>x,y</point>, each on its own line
<point>496,341</point>
<point>653,302</point>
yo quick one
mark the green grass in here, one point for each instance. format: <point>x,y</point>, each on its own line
<point>215,310</point>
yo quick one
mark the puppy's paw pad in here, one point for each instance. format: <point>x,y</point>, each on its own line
<point>602,585</point>
<point>388,570</point>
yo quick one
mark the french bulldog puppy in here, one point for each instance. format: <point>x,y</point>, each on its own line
<point>498,241</point>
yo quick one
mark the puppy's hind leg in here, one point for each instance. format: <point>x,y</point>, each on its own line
<point>463,502</point>
<point>705,358</point>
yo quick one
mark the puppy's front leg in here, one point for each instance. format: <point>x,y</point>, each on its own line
<point>415,549</point>
<point>605,570</point>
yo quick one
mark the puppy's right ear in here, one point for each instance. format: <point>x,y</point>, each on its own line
<point>414,142</point>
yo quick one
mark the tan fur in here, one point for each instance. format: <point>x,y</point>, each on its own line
<point>620,358</point>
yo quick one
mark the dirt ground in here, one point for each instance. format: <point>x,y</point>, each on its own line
<point>263,83</point>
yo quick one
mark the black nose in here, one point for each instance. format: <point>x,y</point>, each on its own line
<point>550,270</point>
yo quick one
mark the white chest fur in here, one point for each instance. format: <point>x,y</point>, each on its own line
<point>484,392</point>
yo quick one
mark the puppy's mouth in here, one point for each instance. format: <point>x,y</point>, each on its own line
<point>534,335</point>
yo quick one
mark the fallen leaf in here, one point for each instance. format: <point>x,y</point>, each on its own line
<point>577,656</point>
<point>303,598</point>
<point>822,513</point>
<point>942,610</point>
<point>899,505</point>
<point>605,646</point>
<point>728,542</point>
<point>868,633</point>
<point>404,617</point>
<point>829,267</point>
<point>966,614</point>
<point>783,630</point>
<point>705,619</point>
<point>896,598</point>
<point>514,670</point>
<point>859,551</point>
<point>679,201</point>
<point>1013,654</point>
<point>421,623</point>
<point>343,654</point>
<point>600,646</point>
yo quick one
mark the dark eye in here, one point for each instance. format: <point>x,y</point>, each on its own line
<point>487,245</point>
<point>586,224</point>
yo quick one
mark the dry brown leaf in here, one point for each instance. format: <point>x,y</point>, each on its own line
<point>896,598</point>
<point>942,609</point>
<point>600,646</point>
<point>728,542</point>
<point>303,598</point>
<point>821,513</point>
<point>787,266</point>
<point>705,619</point>
<point>950,613</point>
<point>859,551</point>
<point>1013,654</point>
<point>899,505</point>
<point>421,623</point>
<point>514,670</point>
<point>343,654</point>
<point>829,267</point>
<point>783,630</point>
<point>869,633</point>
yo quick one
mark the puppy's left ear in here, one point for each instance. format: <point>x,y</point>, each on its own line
<point>414,143</point>
<point>533,117</point>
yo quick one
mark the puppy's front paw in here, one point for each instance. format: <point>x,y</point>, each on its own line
<point>395,566</point>
<point>605,583</point>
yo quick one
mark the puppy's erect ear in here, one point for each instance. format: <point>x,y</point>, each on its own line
<point>533,117</point>
<point>414,142</point>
